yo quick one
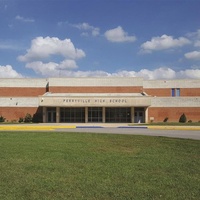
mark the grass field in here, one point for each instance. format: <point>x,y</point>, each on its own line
<point>41,165</point>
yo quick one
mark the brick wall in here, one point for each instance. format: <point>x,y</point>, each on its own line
<point>13,113</point>
<point>166,92</point>
<point>173,114</point>
<point>163,92</point>
<point>21,92</point>
<point>190,91</point>
<point>95,89</point>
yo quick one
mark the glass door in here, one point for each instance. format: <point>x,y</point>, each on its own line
<point>51,115</point>
<point>139,115</point>
<point>94,114</point>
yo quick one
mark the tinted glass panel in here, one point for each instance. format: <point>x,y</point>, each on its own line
<point>173,92</point>
<point>177,92</point>
<point>118,115</point>
<point>72,115</point>
<point>95,114</point>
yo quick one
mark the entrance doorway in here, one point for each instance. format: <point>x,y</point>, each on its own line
<point>95,114</point>
<point>51,115</point>
<point>139,116</point>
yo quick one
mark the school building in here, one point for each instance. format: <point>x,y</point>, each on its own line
<point>100,99</point>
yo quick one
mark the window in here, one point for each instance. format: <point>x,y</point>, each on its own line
<point>178,92</point>
<point>116,114</point>
<point>175,92</point>
<point>72,114</point>
<point>95,114</point>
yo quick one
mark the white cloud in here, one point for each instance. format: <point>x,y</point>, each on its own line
<point>195,67</point>
<point>8,72</point>
<point>194,55</point>
<point>118,35</point>
<point>161,73</point>
<point>189,73</point>
<point>197,43</point>
<point>19,18</point>
<point>86,27</point>
<point>57,70</point>
<point>195,37</point>
<point>52,68</point>
<point>162,43</point>
<point>42,48</point>
<point>8,47</point>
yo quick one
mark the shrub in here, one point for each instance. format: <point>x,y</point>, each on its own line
<point>28,118</point>
<point>21,119</point>
<point>183,118</point>
<point>190,121</point>
<point>166,119</point>
<point>2,119</point>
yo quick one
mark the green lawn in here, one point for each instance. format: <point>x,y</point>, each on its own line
<point>97,166</point>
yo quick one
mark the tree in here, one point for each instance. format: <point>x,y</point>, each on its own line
<point>2,119</point>
<point>183,118</point>
<point>28,118</point>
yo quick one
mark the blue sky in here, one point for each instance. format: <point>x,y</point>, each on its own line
<point>154,39</point>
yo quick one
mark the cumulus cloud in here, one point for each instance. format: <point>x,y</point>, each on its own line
<point>197,43</point>
<point>87,28</point>
<point>189,73</point>
<point>118,35</point>
<point>8,72</point>
<point>194,55</point>
<point>8,47</point>
<point>52,68</point>
<point>195,37</point>
<point>57,70</point>
<point>162,43</point>
<point>42,48</point>
<point>161,73</point>
<point>22,19</point>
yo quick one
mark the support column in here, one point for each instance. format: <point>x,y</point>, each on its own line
<point>132,114</point>
<point>86,114</point>
<point>57,114</point>
<point>104,115</point>
<point>146,115</point>
<point>44,114</point>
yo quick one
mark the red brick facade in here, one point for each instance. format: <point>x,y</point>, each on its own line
<point>14,113</point>
<point>96,89</point>
<point>21,91</point>
<point>167,92</point>
<point>173,114</point>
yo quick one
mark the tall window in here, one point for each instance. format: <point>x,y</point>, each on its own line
<point>95,114</point>
<point>117,114</point>
<point>178,92</point>
<point>72,114</point>
<point>175,92</point>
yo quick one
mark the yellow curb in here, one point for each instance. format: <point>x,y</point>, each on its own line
<point>21,128</point>
<point>192,128</point>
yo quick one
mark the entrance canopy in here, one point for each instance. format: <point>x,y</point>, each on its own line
<point>94,100</point>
